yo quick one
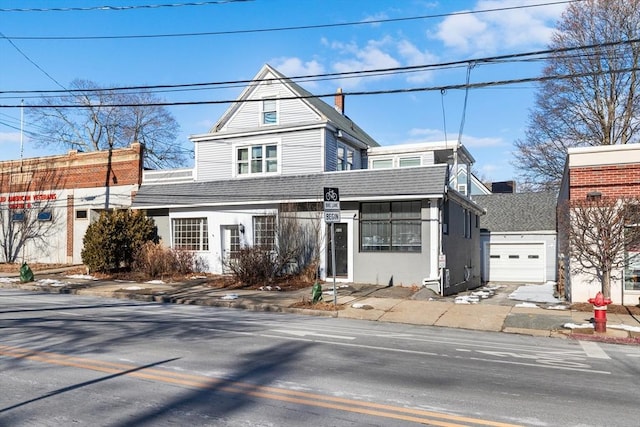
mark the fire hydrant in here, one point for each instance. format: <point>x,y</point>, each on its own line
<point>600,311</point>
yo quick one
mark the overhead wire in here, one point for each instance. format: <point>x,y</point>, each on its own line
<point>121,8</point>
<point>289,28</point>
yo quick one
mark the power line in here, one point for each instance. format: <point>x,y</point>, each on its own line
<point>31,61</point>
<point>121,8</point>
<point>445,88</point>
<point>522,56</point>
<point>291,28</point>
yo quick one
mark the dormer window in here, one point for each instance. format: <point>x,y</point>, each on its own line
<point>269,111</point>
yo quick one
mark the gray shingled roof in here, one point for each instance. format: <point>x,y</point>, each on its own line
<point>353,185</point>
<point>340,120</point>
<point>518,211</point>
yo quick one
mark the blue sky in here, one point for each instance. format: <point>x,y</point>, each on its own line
<point>493,119</point>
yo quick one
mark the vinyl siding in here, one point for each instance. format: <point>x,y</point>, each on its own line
<point>301,152</point>
<point>290,111</point>
<point>214,160</point>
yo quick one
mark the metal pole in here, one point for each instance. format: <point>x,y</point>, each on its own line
<point>333,262</point>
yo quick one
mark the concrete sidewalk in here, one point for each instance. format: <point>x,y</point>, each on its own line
<point>496,313</point>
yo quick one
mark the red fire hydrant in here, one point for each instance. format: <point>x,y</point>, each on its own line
<point>600,311</point>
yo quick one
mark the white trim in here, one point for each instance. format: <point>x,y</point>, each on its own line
<point>263,202</point>
<point>434,234</point>
<point>249,145</point>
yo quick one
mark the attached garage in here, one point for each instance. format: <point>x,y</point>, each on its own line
<point>509,262</point>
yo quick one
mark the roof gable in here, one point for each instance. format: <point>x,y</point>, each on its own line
<point>269,75</point>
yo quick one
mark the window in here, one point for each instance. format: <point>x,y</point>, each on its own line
<point>462,188</point>
<point>533,256</point>
<point>232,240</point>
<point>345,159</point>
<point>45,216</point>
<point>382,164</point>
<point>81,214</point>
<point>190,234</point>
<point>18,216</point>
<point>409,161</point>
<point>257,159</point>
<point>514,256</point>
<point>391,226</point>
<point>494,256</point>
<point>269,111</point>
<point>467,224</point>
<point>264,232</point>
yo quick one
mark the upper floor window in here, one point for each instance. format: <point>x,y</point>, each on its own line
<point>345,159</point>
<point>269,111</point>
<point>405,162</point>
<point>382,164</point>
<point>257,159</point>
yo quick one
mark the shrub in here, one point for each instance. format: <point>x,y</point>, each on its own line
<point>155,260</point>
<point>252,266</point>
<point>111,242</point>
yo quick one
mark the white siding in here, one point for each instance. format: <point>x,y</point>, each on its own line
<point>301,152</point>
<point>290,111</point>
<point>214,160</point>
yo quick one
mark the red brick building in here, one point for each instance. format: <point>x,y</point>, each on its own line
<point>602,172</point>
<point>55,198</point>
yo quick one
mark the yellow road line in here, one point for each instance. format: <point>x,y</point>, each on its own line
<point>267,392</point>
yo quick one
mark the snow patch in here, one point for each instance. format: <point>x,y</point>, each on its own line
<point>8,280</point>
<point>527,305</point>
<point>535,293</point>
<point>133,288</point>
<point>229,297</point>
<point>81,276</point>
<point>155,282</point>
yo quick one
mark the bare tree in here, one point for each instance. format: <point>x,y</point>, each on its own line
<point>27,214</point>
<point>92,119</point>
<point>596,102</point>
<point>599,233</point>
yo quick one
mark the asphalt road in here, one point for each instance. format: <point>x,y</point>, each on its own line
<point>70,360</point>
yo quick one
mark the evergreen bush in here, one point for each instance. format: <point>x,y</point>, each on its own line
<point>111,243</point>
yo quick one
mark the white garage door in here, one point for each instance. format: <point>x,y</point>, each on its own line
<point>515,262</point>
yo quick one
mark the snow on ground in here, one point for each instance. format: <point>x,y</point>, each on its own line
<point>609,326</point>
<point>50,282</point>
<point>133,288</point>
<point>535,293</point>
<point>8,280</point>
<point>80,276</point>
<point>155,282</point>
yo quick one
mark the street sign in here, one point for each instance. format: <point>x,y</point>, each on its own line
<point>331,205</point>
<point>331,194</point>
<point>331,217</point>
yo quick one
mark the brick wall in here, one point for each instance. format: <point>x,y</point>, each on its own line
<point>121,166</point>
<point>610,181</point>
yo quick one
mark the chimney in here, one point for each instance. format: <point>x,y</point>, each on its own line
<point>339,101</point>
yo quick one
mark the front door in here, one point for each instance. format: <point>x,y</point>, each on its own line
<point>342,252</point>
<point>230,244</point>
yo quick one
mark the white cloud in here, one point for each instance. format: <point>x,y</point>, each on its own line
<point>373,56</point>
<point>9,137</point>
<point>414,56</point>
<point>489,32</point>
<point>296,67</point>
<point>437,135</point>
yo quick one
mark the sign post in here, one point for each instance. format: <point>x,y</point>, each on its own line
<point>331,216</point>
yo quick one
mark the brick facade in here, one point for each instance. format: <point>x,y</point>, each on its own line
<point>61,187</point>
<point>122,166</point>
<point>610,181</point>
